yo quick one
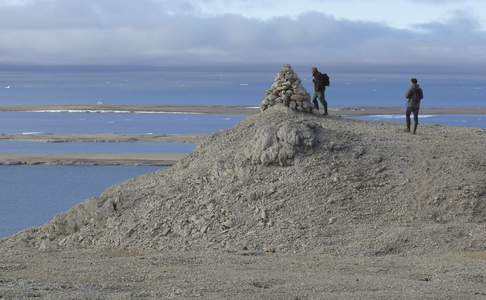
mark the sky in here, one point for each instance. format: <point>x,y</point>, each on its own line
<point>238,32</point>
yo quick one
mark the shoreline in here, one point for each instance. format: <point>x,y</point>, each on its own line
<point>208,227</point>
<point>103,138</point>
<point>365,111</point>
<point>229,110</point>
<point>160,109</point>
<point>164,159</point>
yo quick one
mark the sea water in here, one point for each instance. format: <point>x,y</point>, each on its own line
<point>472,121</point>
<point>116,123</point>
<point>32,195</point>
<point>46,148</point>
<point>222,86</point>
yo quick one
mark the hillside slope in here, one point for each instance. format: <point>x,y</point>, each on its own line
<point>291,182</point>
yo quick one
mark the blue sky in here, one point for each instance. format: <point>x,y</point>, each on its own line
<point>204,32</point>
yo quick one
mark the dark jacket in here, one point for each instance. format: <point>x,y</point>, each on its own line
<point>414,96</point>
<point>318,87</point>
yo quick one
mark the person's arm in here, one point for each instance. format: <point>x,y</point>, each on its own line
<point>408,95</point>
<point>317,83</point>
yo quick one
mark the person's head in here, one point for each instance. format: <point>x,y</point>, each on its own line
<point>314,70</point>
<point>414,80</point>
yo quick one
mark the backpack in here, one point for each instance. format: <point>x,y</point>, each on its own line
<point>325,80</point>
<point>417,95</point>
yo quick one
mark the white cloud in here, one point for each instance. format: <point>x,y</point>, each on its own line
<point>164,33</point>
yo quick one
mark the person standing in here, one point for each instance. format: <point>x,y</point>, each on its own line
<point>320,82</point>
<point>414,96</point>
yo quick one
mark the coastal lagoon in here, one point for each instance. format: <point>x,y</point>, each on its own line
<point>32,195</point>
<point>46,148</point>
<point>114,123</point>
<point>471,121</point>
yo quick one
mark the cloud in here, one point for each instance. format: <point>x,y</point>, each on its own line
<point>158,32</point>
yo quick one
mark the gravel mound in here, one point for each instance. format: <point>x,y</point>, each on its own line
<point>288,181</point>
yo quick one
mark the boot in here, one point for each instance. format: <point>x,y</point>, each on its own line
<point>415,128</point>
<point>325,110</point>
<point>408,125</point>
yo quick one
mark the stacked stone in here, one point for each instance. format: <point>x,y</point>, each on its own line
<point>287,89</point>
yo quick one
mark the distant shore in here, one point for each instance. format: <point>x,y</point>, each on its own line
<point>363,111</point>
<point>162,159</point>
<point>103,138</point>
<point>228,110</point>
<point>169,109</point>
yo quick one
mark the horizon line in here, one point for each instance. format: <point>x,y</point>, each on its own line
<point>359,68</point>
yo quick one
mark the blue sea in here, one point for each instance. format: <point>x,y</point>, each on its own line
<point>238,86</point>
<point>31,195</point>
<point>119,123</point>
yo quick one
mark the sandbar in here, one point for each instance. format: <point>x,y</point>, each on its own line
<point>103,138</point>
<point>162,159</point>
<point>162,109</point>
<point>228,110</point>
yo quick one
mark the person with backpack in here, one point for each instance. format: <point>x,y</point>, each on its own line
<point>414,97</point>
<point>321,81</point>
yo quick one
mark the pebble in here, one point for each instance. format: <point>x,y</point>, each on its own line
<point>263,214</point>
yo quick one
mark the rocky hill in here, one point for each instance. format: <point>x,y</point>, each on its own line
<point>290,181</point>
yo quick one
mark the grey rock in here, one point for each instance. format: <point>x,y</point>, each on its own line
<point>287,90</point>
<point>263,214</point>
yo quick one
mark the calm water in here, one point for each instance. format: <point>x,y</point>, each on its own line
<point>234,87</point>
<point>120,123</point>
<point>32,195</point>
<point>473,121</point>
<point>26,147</point>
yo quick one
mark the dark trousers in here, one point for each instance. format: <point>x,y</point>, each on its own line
<point>415,111</point>
<point>321,96</point>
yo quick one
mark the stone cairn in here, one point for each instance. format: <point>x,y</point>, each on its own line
<point>287,89</point>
